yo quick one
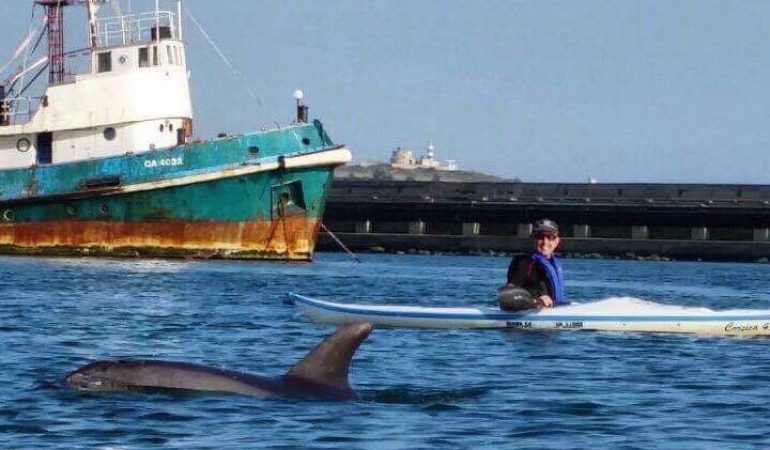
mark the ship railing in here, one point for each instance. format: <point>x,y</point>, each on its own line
<point>136,28</point>
<point>18,110</point>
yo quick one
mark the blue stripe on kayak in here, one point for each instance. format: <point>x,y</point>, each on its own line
<point>501,316</point>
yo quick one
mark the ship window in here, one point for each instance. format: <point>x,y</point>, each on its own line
<point>144,57</point>
<point>104,62</point>
<point>154,55</point>
<point>22,145</point>
<point>170,127</point>
<point>110,133</point>
<point>168,51</point>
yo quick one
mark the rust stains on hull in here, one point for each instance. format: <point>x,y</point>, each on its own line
<point>291,238</point>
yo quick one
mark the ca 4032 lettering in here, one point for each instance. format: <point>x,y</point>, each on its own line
<point>164,162</point>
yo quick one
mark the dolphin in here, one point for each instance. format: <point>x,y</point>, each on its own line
<point>321,374</point>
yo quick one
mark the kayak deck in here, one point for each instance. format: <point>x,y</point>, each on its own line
<point>603,315</point>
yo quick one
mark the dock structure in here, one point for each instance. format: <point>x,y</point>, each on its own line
<point>678,221</point>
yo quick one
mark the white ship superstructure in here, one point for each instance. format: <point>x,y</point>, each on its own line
<point>134,95</point>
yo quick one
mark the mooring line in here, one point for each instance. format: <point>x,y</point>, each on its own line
<point>336,239</point>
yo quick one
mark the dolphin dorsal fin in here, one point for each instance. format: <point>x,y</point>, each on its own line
<point>328,362</point>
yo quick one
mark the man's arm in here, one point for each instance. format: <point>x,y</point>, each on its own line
<point>517,271</point>
<point>544,295</point>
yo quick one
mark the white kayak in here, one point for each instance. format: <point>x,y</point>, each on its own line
<point>614,314</point>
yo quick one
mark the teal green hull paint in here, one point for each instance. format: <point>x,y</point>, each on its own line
<point>81,209</point>
<point>233,199</point>
<point>173,162</point>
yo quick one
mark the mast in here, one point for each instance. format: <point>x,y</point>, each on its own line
<point>55,13</point>
<point>92,24</point>
<point>157,20</point>
<point>179,19</point>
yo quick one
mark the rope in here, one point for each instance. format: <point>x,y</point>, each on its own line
<point>37,75</point>
<point>219,52</point>
<point>347,250</point>
<point>28,53</point>
<point>24,44</point>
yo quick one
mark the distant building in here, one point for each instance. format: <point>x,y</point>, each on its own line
<point>403,166</point>
<point>402,158</point>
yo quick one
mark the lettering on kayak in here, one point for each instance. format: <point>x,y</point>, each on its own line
<point>733,327</point>
<point>569,325</point>
<point>164,162</point>
<point>518,324</point>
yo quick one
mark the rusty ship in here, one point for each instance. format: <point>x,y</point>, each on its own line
<point>102,162</point>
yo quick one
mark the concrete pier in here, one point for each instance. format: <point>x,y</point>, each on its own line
<point>640,233</point>
<point>761,234</point>
<point>417,227</point>
<point>471,228</point>
<point>363,226</point>
<point>715,222</point>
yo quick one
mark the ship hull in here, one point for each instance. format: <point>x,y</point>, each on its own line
<point>206,200</point>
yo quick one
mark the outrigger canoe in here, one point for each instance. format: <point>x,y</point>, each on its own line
<point>618,314</point>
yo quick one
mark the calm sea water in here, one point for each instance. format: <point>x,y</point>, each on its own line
<point>431,389</point>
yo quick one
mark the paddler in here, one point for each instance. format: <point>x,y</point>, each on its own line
<point>536,280</point>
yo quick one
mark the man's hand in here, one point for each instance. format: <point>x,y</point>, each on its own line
<point>545,301</point>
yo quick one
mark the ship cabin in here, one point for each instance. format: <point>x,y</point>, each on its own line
<point>134,95</point>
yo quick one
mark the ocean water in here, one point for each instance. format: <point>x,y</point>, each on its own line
<point>426,389</point>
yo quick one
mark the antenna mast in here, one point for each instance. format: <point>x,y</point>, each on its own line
<point>92,24</point>
<point>55,14</point>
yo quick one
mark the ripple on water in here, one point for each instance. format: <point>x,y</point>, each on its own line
<point>423,396</point>
<point>431,389</point>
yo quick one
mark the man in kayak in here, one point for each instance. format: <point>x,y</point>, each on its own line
<point>536,280</point>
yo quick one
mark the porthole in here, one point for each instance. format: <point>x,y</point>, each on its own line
<point>104,209</point>
<point>170,127</point>
<point>254,150</point>
<point>162,127</point>
<point>8,215</point>
<point>110,133</point>
<point>71,210</point>
<point>306,141</point>
<point>23,145</point>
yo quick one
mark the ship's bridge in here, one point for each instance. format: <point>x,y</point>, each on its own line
<point>135,41</point>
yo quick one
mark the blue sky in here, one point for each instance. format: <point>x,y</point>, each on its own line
<point>623,91</point>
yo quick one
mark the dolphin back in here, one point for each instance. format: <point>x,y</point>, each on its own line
<point>329,362</point>
<point>149,375</point>
<point>322,373</point>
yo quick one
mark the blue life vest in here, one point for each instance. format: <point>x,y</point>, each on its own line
<point>555,276</point>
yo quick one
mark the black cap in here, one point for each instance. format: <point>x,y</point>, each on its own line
<point>545,226</point>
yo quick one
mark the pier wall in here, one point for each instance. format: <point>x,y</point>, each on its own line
<point>680,221</point>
